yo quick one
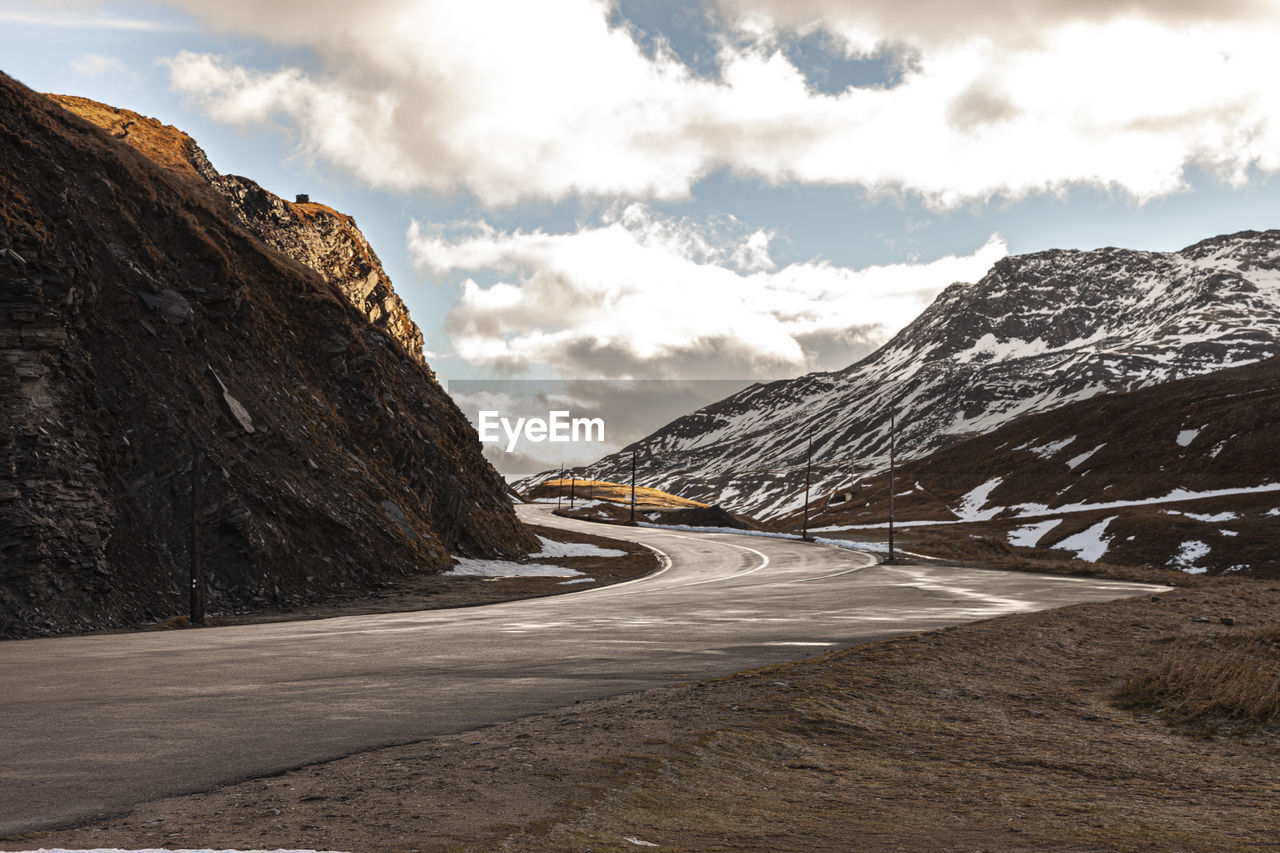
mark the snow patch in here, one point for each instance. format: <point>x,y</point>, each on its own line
<point>1088,544</point>
<point>881,547</point>
<point>471,568</point>
<point>1190,552</point>
<point>1204,516</point>
<point>1051,448</point>
<point>1076,461</point>
<point>971,505</point>
<point>1028,536</point>
<point>551,548</point>
<point>1187,436</point>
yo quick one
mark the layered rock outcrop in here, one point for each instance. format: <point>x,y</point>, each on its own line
<point>313,234</point>
<point>144,327</point>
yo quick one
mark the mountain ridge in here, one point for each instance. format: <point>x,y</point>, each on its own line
<point>1036,332</point>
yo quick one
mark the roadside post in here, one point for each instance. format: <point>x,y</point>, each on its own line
<point>196,609</point>
<point>633,486</point>
<point>893,432</point>
<point>808,468</point>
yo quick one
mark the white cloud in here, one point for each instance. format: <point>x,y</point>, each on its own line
<point>643,296</point>
<point>99,65</point>
<point>513,100</point>
<point>43,16</point>
<point>866,23</point>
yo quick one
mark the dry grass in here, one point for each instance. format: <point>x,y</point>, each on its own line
<point>1210,683</point>
<point>1002,735</point>
<point>163,143</point>
<point>602,490</point>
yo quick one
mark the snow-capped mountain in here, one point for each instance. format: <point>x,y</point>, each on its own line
<point>1037,332</point>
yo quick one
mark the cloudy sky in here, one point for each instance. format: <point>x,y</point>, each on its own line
<point>737,188</point>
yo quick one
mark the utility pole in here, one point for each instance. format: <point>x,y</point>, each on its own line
<point>560,487</point>
<point>893,432</point>
<point>633,486</point>
<point>572,480</point>
<point>808,468</point>
<point>196,614</point>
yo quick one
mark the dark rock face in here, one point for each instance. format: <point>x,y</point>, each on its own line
<point>1038,332</point>
<point>312,234</point>
<point>141,323</point>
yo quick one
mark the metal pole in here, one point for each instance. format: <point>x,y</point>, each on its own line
<point>893,430</point>
<point>196,615</point>
<point>633,485</point>
<point>808,467</point>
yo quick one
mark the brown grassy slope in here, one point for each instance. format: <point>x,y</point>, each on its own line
<point>130,293</point>
<point>600,490</point>
<point>1237,413</point>
<point>161,143</point>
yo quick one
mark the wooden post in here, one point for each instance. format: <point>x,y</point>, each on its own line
<point>572,480</point>
<point>560,488</point>
<point>893,430</point>
<point>808,467</point>
<point>196,615</point>
<point>633,486</point>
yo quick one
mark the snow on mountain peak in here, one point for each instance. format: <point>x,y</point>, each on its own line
<point>1036,332</point>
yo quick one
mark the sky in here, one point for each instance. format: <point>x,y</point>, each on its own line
<point>651,189</point>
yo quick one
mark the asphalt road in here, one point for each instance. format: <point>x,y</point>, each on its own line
<point>93,725</point>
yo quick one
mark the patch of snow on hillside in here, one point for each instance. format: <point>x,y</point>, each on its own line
<point>1089,544</point>
<point>1188,554</point>
<point>1187,436</point>
<point>1032,510</point>
<point>971,505</point>
<point>881,547</point>
<point>1204,516</point>
<point>472,568</point>
<point>989,348</point>
<point>1028,536</point>
<point>1225,532</point>
<point>1050,449</point>
<point>551,548</point>
<point>1076,461</point>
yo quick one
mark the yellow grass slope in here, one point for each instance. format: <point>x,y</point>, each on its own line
<point>601,490</point>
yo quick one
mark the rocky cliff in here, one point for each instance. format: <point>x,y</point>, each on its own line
<point>316,235</point>
<point>144,327</point>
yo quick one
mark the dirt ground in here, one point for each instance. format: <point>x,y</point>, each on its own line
<point>1000,735</point>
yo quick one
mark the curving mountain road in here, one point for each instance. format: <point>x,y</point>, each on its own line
<point>93,725</point>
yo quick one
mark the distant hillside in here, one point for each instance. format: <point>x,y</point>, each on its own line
<point>142,322</point>
<point>1036,333</point>
<point>582,490</point>
<point>1181,475</point>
